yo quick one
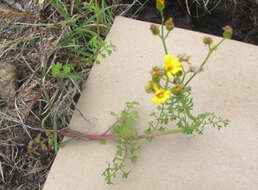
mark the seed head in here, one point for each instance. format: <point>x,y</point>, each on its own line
<point>207,40</point>
<point>154,29</point>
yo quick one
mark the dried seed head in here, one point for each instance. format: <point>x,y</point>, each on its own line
<point>200,69</point>
<point>207,40</point>
<point>185,58</point>
<point>156,68</point>
<point>192,69</point>
<point>154,29</point>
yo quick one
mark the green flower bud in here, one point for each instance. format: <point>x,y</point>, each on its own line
<point>227,34</point>
<point>177,90</point>
<point>148,87</point>
<point>160,5</point>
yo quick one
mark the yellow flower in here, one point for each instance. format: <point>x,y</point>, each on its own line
<point>172,65</point>
<point>161,96</point>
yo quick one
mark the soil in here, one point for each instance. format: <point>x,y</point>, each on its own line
<point>26,170</point>
<point>242,16</point>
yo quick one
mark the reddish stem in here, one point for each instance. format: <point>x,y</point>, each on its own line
<point>91,137</point>
<point>61,132</point>
<point>33,102</point>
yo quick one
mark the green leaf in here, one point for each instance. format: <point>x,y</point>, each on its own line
<point>67,68</point>
<point>121,166</point>
<point>153,114</point>
<point>97,61</point>
<point>147,131</point>
<point>125,175</point>
<point>131,143</point>
<point>102,141</point>
<point>103,55</point>
<point>133,149</point>
<point>136,136</point>
<point>133,159</point>
<point>133,114</point>
<point>109,52</point>
<point>130,121</point>
<point>55,71</point>
<point>150,139</point>
<point>124,115</point>
<point>119,150</point>
<point>159,107</point>
<point>113,114</point>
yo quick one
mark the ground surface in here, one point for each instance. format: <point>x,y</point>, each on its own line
<point>241,16</point>
<point>24,163</point>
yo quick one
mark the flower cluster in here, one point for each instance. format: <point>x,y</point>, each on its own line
<point>172,67</point>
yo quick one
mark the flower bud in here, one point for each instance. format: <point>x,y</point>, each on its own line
<point>177,90</point>
<point>169,24</point>
<point>207,40</point>
<point>155,86</point>
<point>160,5</point>
<point>156,74</point>
<point>148,87</point>
<point>154,29</point>
<point>227,34</point>
<point>156,68</point>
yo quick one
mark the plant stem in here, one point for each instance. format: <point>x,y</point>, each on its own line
<point>162,37</point>
<point>97,16</point>
<point>76,134</point>
<point>122,161</point>
<point>205,60</point>
<point>168,132</point>
<point>187,111</point>
<point>114,138</point>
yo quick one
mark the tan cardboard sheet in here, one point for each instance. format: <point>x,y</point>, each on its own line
<point>219,160</point>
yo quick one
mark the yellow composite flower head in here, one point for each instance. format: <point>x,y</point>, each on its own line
<point>172,65</point>
<point>161,96</point>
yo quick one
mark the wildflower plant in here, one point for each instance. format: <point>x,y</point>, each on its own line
<point>170,86</point>
<point>171,91</point>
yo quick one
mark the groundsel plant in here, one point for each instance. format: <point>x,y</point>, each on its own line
<point>172,95</point>
<point>171,91</point>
